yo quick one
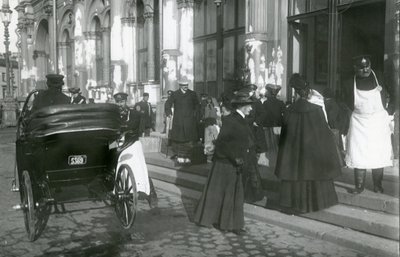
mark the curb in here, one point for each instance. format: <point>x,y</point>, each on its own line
<point>348,238</point>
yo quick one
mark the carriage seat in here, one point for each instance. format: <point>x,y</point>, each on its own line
<point>67,118</point>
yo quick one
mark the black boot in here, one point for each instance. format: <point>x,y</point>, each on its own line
<point>359,180</point>
<point>377,176</point>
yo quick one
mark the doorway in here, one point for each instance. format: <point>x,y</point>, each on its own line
<point>362,30</point>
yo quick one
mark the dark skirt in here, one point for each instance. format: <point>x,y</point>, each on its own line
<point>221,203</point>
<point>253,190</point>
<point>307,196</point>
<point>272,140</point>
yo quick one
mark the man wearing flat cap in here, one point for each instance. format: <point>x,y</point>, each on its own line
<point>368,136</point>
<point>147,114</point>
<point>52,95</point>
<point>76,96</point>
<point>184,125</point>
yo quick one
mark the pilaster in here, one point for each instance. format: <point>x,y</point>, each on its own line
<point>256,41</point>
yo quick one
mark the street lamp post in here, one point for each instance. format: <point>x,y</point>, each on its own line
<point>6,19</point>
<point>9,104</point>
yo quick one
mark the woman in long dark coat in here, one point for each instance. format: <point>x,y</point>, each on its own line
<point>221,203</point>
<point>308,160</point>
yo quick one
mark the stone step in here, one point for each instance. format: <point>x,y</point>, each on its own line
<point>368,199</point>
<point>375,222</point>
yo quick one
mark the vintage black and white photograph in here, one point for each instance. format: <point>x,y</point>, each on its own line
<point>199,128</point>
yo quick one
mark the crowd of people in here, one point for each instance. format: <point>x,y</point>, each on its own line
<point>302,141</point>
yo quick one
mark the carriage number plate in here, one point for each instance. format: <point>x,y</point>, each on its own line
<point>77,159</point>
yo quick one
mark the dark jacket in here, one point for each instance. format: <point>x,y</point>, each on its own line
<point>186,112</point>
<point>51,96</point>
<point>148,114</point>
<point>233,141</point>
<point>307,148</point>
<point>274,110</point>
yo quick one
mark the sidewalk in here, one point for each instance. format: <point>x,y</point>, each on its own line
<point>375,216</point>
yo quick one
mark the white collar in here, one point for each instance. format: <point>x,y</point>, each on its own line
<point>241,113</point>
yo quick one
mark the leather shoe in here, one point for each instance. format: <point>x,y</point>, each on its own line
<point>239,231</point>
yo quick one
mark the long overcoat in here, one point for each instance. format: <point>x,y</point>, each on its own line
<point>186,111</point>
<point>307,149</point>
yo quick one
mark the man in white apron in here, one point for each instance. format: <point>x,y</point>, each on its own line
<point>368,137</point>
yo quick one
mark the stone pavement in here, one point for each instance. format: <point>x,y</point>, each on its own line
<point>91,229</point>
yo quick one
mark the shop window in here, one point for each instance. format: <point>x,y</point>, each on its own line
<point>298,7</point>
<point>318,5</point>
<point>309,48</point>
<point>215,71</point>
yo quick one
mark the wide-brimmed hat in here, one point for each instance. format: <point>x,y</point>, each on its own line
<point>242,97</point>
<point>55,80</point>
<point>121,96</point>
<point>74,90</point>
<point>361,61</point>
<point>297,81</point>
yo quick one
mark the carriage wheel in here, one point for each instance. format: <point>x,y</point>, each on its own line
<point>28,204</point>
<point>125,196</point>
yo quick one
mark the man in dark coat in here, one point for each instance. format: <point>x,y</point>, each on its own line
<point>147,113</point>
<point>368,137</point>
<point>76,96</point>
<point>53,95</point>
<point>184,125</point>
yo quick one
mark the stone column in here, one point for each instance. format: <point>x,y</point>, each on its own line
<point>41,60</point>
<point>48,9</point>
<point>256,41</point>
<point>63,68</point>
<point>116,45</point>
<point>106,55</point>
<point>185,60</point>
<point>90,43</point>
<point>24,76</point>
<point>149,25</point>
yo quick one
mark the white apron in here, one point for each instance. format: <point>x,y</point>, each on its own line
<point>368,140</point>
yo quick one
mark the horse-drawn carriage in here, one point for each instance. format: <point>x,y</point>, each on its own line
<point>62,146</point>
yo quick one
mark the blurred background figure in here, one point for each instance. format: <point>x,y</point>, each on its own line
<point>76,96</point>
<point>148,116</point>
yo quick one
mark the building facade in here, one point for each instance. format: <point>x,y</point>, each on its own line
<point>14,77</point>
<point>108,46</point>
